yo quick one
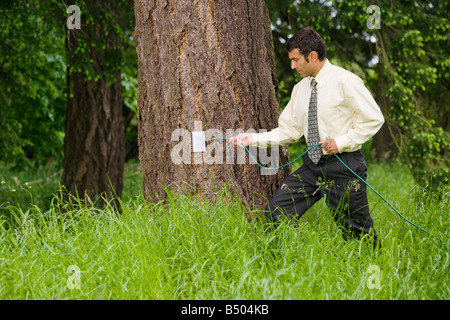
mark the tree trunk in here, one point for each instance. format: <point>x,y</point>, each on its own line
<point>383,145</point>
<point>205,66</point>
<point>94,144</point>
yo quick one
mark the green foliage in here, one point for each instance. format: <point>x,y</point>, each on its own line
<point>429,168</point>
<point>32,83</point>
<point>417,51</point>
<point>106,31</point>
<point>11,145</point>
<point>28,188</point>
<point>191,249</point>
<point>36,188</point>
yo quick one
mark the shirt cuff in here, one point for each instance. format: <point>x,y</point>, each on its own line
<point>343,143</point>
<point>255,139</point>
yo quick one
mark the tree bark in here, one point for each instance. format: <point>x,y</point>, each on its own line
<point>205,66</point>
<point>94,143</point>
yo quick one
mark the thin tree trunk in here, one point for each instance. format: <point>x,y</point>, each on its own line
<point>94,144</point>
<point>205,66</point>
<point>383,145</point>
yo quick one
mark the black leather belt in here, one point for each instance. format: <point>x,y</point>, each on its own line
<point>327,157</point>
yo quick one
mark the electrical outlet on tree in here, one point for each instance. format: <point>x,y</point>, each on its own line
<point>198,141</point>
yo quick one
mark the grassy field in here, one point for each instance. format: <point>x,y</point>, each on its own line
<point>186,249</point>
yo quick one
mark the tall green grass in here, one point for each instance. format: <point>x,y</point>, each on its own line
<point>186,248</point>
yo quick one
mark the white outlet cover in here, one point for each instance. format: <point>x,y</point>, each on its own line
<point>198,141</point>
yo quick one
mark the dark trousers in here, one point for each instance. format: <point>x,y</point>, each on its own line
<point>345,194</point>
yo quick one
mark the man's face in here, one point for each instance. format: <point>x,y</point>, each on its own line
<point>299,63</point>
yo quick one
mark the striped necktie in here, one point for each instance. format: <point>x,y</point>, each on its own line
<point>313,132</point>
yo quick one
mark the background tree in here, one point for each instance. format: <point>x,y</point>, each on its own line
<point>211,62</point>
<point>33,82</point>
<point>94,144</point>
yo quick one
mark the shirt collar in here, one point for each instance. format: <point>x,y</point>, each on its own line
<point>321,76</point>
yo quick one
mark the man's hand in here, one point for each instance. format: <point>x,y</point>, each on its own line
<point>242,139</point>
<point>329,146</point>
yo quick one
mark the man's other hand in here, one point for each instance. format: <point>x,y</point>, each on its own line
<point>329,146</point>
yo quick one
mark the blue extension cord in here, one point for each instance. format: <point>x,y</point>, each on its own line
<point>354,173</point>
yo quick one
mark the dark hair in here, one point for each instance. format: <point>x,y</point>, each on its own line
<point>307,40</point>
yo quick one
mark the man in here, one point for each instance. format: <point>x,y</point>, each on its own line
<point>330,106</point>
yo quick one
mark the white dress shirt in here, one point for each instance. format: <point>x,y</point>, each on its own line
<point>346,112</point>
